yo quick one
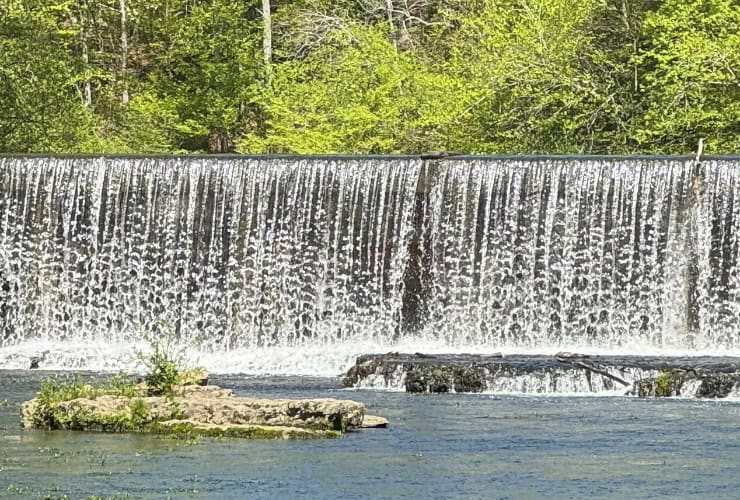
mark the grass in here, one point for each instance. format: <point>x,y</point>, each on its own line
<point>55,389</point>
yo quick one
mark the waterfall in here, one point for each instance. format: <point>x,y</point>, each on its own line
<point>590,254</point>
<point>296,265</point>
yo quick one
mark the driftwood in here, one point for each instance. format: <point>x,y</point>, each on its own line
<point>578,362</point>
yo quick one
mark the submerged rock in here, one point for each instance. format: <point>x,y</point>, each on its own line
<point>196,410</point>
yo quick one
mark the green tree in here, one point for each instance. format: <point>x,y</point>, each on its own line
<point>692,82</point>
<point>534,83</point>
<point>42,105</point>
<point>208,75</point>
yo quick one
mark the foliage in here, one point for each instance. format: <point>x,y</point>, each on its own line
<point>370,76</point>
<point>55,390</point>
<point>663,384</point>
<point>163,362</point>
<point>693,88</point>
<point>365,99</point>
<point>65,389</point>
<point>41,109</point>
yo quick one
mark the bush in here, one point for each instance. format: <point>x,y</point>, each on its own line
<point>164,362</point>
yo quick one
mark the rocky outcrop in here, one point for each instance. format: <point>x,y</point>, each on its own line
<point>374,422</point>
<point>197,410</point>
<point>644,376</point>
<point>423,373</point>
<point>687,383</point>
<point>665,383</point>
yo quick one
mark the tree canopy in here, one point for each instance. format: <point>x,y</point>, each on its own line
<point>369,76</point>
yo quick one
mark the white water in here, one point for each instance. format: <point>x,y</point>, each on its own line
<point>296,266</point>
<point>585,254</point>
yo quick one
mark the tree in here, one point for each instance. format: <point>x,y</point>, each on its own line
<point>354,92</point>
<point>532,84</point>
<point>42,106</point>
<point>692,80</point>
<point>267,36</point>
<point>204,79</point>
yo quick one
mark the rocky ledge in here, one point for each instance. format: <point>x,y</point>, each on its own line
<point>705,377</point>
<point>196,410</point>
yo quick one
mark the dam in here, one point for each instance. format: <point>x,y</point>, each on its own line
<point>298,264</point>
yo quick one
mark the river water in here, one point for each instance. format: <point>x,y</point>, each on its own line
<point>438,446</point>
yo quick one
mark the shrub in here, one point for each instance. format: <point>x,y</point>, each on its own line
<point>164,362</point>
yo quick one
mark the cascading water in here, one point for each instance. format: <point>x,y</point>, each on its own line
<point>599,255</point>
<point>263,265</point>
<point>297,265</point>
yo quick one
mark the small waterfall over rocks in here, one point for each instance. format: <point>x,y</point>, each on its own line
<point>296,265</point>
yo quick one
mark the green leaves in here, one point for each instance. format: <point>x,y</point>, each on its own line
<point>693,88</point>
<point>483,76</point>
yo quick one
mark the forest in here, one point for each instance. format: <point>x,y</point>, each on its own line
<point>369,76</point>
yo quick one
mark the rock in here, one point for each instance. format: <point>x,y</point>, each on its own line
<point>665,383</point>
<point>374,422</point>
<point>327,414</point>
<point>718,385</point>
<point>420,373</point>
<point>438,379</point>
<point>363,368</point>
<point>470,378</point>
<point>194,409</point>
<point>202,391</point>
<point>674,382</point>
<point>34,363</point>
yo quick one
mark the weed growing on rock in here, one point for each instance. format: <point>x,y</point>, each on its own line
<point>55,390</point>
<point>663,385</point>
<point>164,362</point>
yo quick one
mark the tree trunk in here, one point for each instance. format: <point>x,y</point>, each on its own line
<point>87,87</point>
<point>267,38</point>
<point>124,52</point>
<point>389,14</point>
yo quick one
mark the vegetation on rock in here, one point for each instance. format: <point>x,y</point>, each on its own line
<point>177,402</point>
<point>663,385</point>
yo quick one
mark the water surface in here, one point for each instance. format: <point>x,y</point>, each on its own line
<point>438,446</point>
